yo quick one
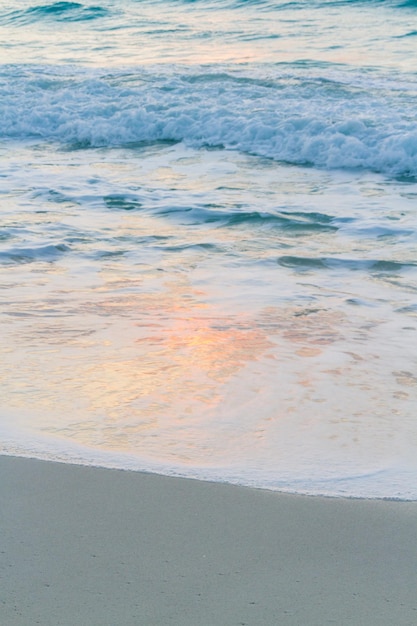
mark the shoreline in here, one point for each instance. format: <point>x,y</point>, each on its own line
<point>95,546</point>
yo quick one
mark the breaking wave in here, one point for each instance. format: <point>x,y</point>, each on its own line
<point>293,118</point>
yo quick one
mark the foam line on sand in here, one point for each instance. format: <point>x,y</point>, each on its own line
<point>84,546</point>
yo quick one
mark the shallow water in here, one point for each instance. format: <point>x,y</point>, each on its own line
<point>208,240</point>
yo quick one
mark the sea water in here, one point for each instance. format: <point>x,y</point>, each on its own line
<point>208,243</point>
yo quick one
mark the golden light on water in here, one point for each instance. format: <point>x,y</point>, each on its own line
<point>148,352</point>
<point>128,362</point>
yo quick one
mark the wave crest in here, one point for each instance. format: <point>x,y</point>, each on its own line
<point>289,118</point>
<point>57,11</point>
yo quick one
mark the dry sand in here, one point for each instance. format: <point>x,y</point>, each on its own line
<point>95,547</point>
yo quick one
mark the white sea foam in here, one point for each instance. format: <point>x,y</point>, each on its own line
<point>396,481</point>
<point>296,119</point>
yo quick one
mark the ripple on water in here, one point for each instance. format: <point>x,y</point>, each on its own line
<point>56,12</point>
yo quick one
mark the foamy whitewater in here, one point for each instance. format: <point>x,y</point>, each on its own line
<point>208,242</point>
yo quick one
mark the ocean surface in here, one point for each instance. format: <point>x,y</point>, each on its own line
<point>208,239</point>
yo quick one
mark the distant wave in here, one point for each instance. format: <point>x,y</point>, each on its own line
<point>297,119</point>
<point>56,11</point>
<point>412,4</point>
<point>66,11</point>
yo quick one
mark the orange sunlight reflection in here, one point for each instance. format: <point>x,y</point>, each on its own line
<point>153,369</point>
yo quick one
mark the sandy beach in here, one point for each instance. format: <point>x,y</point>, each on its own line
<point>95,547</point>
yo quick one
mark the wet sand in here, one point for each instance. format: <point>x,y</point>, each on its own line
<point>86,546</point>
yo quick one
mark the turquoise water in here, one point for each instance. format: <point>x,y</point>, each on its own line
<point>208,237</point>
